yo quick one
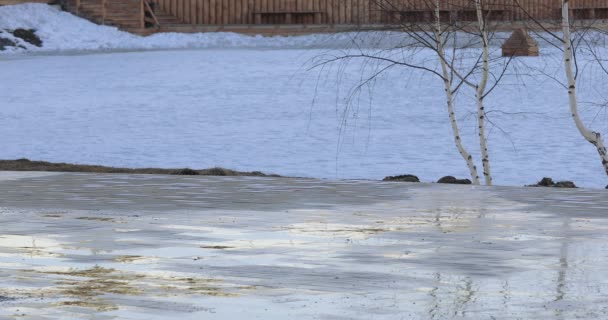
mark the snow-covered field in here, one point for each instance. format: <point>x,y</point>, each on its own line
<point>250,103</point>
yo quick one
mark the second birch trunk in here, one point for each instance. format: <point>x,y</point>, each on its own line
<point>450,99</point>
<point>480,93</point>
<point>593,137</point>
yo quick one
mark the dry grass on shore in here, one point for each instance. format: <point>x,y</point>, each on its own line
<point>29,165</point>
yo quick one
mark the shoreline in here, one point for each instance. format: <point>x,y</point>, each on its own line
<point>26,165</point>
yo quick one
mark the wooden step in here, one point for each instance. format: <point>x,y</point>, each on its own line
<point>166,18</point>
<point>287,29</point>
<point>163,19</point>
<point>11,2</point>
<point>122,23</point>
<point>94,11</point>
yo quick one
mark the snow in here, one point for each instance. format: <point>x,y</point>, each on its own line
<point>251,103</point>
<point>64,32</point>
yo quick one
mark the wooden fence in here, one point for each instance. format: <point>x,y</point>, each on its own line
<point>137,14</point>
<point>127,14</point>
<point>11,2</point>
<point>356,12</point>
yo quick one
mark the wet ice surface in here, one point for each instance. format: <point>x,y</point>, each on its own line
<point>154,247</point>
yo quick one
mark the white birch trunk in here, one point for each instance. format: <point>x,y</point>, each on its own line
<point>593,137</point>
<point>450,99</point>
<point>479,95</point>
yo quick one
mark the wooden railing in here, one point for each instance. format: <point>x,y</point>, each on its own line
<point>222,12</point>
<point>77,6</point>
<point>13,2</point>
<point>104,11</point>
<point>128,14</point>
<point>151,13</point>
<point>148,14</point>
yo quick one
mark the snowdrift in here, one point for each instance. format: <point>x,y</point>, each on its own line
<point>62,31</point>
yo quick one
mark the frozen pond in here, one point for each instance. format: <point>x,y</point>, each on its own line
<point>85,246</point>
<point>253,110</point>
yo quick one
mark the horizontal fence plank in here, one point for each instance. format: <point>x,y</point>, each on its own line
<point>357,12</point>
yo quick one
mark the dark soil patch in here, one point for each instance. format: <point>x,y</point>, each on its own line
<point>402,178</point>
<point>28,165</point>
<point>545,182</point>
<point>564,184</point>
<point>217,247</point>
<point>548,182</point>
<point>186,172</point>
<point>28,35</point>
<point>453,180</point>
<point>4,298</point>
<point>4,42</point>
<point>96,219</point>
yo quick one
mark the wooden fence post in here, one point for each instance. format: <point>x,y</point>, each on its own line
<point>142,23</point>
<point>103,12</point>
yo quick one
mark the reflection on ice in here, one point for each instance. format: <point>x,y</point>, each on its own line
<point>409,251</point>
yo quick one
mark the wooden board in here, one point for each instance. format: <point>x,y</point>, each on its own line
<point>11,2</point>
<point>241,12</point>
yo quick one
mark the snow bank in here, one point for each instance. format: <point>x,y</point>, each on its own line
<point>62,31</point>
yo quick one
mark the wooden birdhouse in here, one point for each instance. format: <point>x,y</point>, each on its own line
<point>520,44</point>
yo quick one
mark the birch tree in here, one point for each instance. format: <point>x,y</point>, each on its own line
<point>571,49</point>
<point>595,138</point>
<point>479,87</point>
<point>463,60</point>
<point>447,75</point>
<point>481,92</point>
